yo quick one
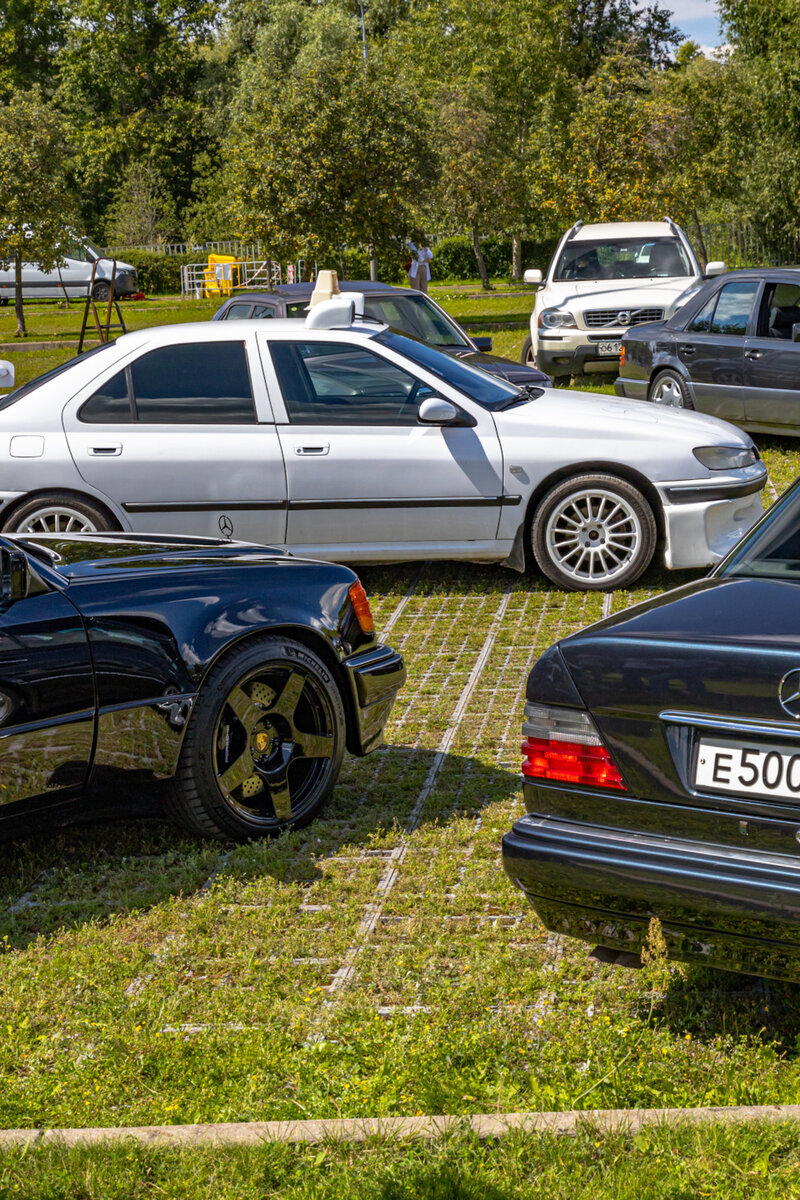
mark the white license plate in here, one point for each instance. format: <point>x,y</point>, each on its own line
<point>609,347</point>
<point>746,768</point>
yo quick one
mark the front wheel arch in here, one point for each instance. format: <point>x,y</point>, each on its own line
<point>592,467</point>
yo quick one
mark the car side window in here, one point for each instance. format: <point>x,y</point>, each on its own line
<point>110,404</point>
<point>298,309</point>
<point>735,303</point>
<point>238,312</point>
<point>779,311</point>
<point>701,323</point>
<point>325,383</point>
<point>262,311</point>
<point>198,383</point>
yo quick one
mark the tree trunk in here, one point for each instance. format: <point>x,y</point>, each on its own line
<point>484,274</point>
<point>373,267</point>
<point>18,294</point>
<point>516,256</point>
<point>702,253</point>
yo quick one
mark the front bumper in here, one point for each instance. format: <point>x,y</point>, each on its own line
<point>717,905</point>
<point>705,519</point>
<point>576,352</point>
<point>375,676</point>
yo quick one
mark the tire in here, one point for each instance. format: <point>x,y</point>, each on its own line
<point>670,389</point>
<point>527,353</point>
<point>58,512</point>
<point>601,515</point>
<point>101,291</point>
<point>240,774</point>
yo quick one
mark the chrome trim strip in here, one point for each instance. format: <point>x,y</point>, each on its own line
<point>742,725</point>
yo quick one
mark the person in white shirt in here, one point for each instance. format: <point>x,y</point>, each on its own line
<point>418,269</point>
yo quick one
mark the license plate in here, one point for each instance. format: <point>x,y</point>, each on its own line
<point>609,347</point>
<point>746,768</point>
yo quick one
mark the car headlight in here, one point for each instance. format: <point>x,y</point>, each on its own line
<point>725,458</point>
<point>555,318</point>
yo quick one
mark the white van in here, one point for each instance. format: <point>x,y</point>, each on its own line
<point>72,278</point>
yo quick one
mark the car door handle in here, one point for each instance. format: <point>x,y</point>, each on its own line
<point>322,448</point>
<point>687,349</point>
<point>752,354</point>
<point>106,451</point>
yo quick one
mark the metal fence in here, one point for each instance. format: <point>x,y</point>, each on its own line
<point>739,244</point>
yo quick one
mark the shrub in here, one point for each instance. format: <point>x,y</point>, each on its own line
<point>454,258</point>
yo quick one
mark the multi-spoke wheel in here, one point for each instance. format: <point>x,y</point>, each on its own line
<point>593,532</point>
<point>264,744</point>
<point>668,388</point>
<point>57,512</point>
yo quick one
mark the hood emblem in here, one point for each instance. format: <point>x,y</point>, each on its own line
<point>789,693</point>
<point>226,527</point>
<point>624,317</point>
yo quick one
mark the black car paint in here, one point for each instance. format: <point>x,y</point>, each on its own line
<point>750,380</point>
<point>476,352</point>
<point>721,871</point>
<point>101,662</point>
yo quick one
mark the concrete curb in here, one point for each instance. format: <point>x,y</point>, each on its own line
<point>22,346</point>
<point>356,1129</point>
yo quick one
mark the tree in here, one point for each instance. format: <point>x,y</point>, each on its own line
<point>142,211</point>
<point>31,34</point>
<point>36,209</point>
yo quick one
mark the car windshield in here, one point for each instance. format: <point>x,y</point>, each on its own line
<point>488,390</point>
<point>773,549</point>
<point>27,388</point>
<point>623,258</point>
<point>416,316</point>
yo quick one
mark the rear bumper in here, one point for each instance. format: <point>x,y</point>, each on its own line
<point>717,905</point>
<point>376,676</point>
<point>632,389</point>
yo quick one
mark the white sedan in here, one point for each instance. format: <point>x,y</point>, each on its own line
<point>344,440</point>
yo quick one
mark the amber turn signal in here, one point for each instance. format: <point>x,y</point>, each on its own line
<point>622,355</point>
<point>361,608</point>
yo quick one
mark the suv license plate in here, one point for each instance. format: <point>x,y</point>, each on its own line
<point>609,348</point>
<point>746,768</point>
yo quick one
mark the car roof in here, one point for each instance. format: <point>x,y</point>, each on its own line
<point>618,229</point>
<point>227,331</point>
<point>789,274</point>
<point>303,291</point>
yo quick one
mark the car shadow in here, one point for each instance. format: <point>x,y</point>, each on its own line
<point>56,880</point>
<point>706,1002</point>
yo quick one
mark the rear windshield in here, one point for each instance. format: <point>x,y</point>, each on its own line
<point>27,388</point>
<point>487,390</point>
<point>623,258</point>
<point>772,550</point>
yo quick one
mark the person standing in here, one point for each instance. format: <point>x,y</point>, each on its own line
<point>418,269</point>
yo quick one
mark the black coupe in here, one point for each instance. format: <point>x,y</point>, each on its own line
<point>733,351</point>
<point>662,767</point>
<point>403,309</point>
<point>225,677</point>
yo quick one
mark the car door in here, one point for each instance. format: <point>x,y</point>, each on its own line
<point>182,439</point>
<point>47,705</point>
<point>772,359</point>
<point>365,476</point>
<point>711,348</point>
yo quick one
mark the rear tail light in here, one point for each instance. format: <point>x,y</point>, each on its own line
<point>563,744</point>
<point>361,608</point>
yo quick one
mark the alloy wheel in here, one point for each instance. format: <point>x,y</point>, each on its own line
<point>274,745</point>
<point>669,392</point>
<point>593,535</point>
<point>57,518</point>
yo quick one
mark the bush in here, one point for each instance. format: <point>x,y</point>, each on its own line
<point>160,274</point>
<point>454,258</point>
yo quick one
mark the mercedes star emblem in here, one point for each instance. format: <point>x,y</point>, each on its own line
<point>624,317</point>
<point>789,693</point>
<point>226,527</point>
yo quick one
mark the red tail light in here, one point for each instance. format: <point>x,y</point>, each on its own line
<point>563,744</point>
<point>361,608</point>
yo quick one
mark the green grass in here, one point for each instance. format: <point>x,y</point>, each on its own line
<point>736,1163</point>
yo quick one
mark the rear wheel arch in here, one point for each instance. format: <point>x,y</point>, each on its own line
<point>63,494</point>
<point>669,368</point>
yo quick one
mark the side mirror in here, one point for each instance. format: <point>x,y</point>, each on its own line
<point>15,575</point>
<point>532,275</point>
<point>796,333</point>
<point>484,344</point>
<point>6,374</point>
<point>715,268</point>
<point>437,411</point>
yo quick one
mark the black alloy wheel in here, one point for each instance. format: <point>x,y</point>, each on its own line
<point>101,291</point>
<point>264,744</point>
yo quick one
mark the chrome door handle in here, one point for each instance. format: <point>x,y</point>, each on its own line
<point>321,448</point>
<point>752,354</point>
<point>106,451</point>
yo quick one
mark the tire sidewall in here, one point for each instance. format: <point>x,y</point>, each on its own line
<point>626,492</point>
<point>197,757</point>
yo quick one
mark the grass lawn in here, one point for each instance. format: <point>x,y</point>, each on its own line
<point>378,962</point>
